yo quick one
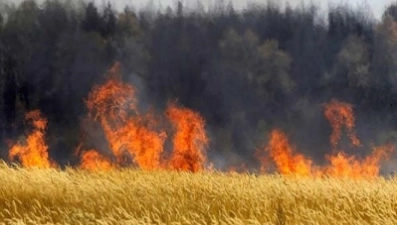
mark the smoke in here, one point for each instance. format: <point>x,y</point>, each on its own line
<point>245,72</point>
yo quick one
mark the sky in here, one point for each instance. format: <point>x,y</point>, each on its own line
<point>376,6</point>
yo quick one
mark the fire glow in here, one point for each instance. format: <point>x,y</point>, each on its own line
<point>35,151</point>
<point>138,139</point>
<point>340,115</point>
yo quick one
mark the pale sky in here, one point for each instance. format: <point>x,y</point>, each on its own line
<point>376,6</point>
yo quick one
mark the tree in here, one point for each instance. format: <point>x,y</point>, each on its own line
<point>109,21</point>
<point>391,11</point>
<point>383,66</point>
<point>353,63</point>
<point>92,20</point>
<point>179,11</point>
<point>261,64</point>
<point>128,24</point>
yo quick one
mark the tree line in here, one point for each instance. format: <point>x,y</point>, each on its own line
<point>246,72</point>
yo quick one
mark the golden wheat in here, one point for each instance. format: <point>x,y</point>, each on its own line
<point>49,196</point>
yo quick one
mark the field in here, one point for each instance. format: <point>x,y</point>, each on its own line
<point>50,196</point>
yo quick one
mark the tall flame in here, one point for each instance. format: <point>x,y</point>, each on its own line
<point>340,114</point>
<point>283,154</point>
<point>190,140</point>
<point>342,165</point>
<point>33,153</point>
<point>114,106</point>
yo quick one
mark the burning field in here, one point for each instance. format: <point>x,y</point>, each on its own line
<point>197,113</point>
<point>177,140</point>
<point>155,170</point>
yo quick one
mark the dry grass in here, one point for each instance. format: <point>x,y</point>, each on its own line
<point>32,196</point>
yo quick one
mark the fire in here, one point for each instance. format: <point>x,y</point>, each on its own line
<point>33,153</point>
<point>379,153</point>
<point>130,135</point>
<point>340,164</point>
<point>348,166</point>
<point>92,160</point>
<point>138,138</point>
<point>283,154</point>
<point>190,140</point>
<point>339,114</point>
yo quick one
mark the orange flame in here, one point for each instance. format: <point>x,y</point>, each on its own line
<point>190,140</point>
<point>144,144</point>
<point>35,152</point>
<point>341,165</point>
<point>137,137</point>
<point>348,166</point>
<point>92,160</point>
<point>130,135</point>
<point>339,114</point>
<point>283,154</point>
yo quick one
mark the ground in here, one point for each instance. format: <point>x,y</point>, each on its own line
<point>130,196</point>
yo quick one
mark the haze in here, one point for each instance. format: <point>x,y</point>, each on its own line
<point>376,7</point>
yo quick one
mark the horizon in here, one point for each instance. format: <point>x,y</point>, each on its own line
<point>376,7</point>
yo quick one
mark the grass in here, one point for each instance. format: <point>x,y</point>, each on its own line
<point>38,196</point>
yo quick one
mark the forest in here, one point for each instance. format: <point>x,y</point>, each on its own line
<point>246,72</point>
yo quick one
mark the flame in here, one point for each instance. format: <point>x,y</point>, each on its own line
<point>33,153</point>
<point>92,160</point>
<point>140,141</point>
<point>130,135</point>
<point>339,114</point>
<point>343,165</point>
<point>190,140</point>
<point>283,154</point>
<point>340,164</point>
<point>138,137</point>
<point>378,154</point>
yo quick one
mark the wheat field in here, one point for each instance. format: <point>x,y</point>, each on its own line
<point>128,196</point>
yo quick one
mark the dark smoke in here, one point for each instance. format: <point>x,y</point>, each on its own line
<point>246,72</point>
